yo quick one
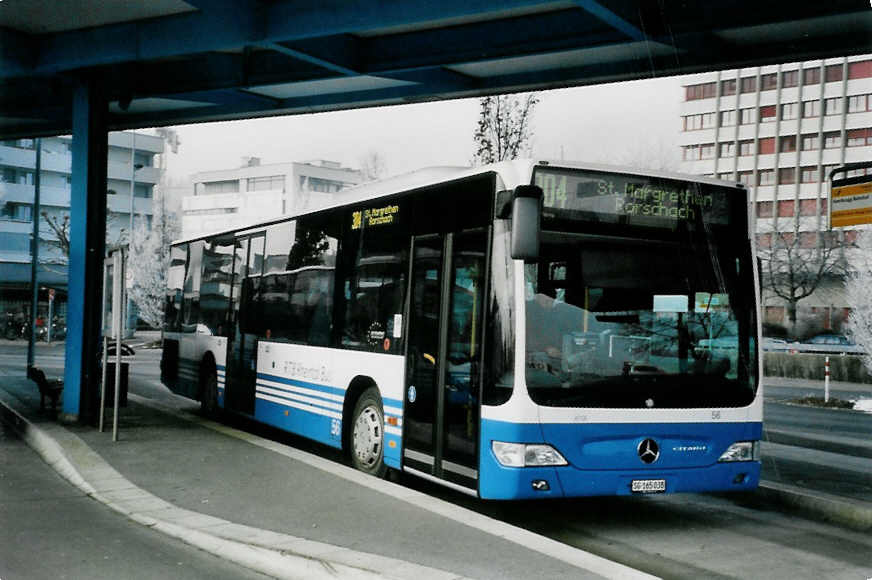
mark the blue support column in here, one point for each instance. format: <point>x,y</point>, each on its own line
<point>87,249</point>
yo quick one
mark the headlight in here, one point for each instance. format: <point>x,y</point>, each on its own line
<point>523,455</point>
<point>742,451</point>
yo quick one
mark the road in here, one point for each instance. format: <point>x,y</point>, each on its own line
<point>681,536</point>
<point>50,530</point>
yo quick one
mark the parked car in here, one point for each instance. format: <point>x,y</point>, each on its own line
<point>829,344</point>
<point>775,344</point>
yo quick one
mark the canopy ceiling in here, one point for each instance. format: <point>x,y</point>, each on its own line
<point>164,62</point>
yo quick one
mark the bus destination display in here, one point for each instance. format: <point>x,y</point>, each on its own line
<point>637,200</point>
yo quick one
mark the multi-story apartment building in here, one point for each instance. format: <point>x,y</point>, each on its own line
<point>131,169</point>
<point>236,197</point>
<point>780,129</point>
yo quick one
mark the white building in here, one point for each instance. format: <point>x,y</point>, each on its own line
<point>131,168</point>
<point>780,129</point>
<point>252,193</point>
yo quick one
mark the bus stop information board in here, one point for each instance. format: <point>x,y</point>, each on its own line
<point>850,199</point>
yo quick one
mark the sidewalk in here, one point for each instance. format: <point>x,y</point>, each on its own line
<point>279,510</point>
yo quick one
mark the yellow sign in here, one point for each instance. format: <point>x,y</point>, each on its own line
<point>377,216</point>
<point>851,205</point>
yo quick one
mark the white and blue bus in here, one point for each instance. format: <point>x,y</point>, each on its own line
<point>521,330</point>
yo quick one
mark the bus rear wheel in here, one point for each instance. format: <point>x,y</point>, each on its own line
<point>209,398</point>
<point>367,434</point>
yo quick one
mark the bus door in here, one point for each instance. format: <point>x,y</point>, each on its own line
<point>242,352</point>
<point>444,356</point>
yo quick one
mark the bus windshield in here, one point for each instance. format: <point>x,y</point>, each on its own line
<point>636,323</point>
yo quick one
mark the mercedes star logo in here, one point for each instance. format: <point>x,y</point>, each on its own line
<point>648,451</point>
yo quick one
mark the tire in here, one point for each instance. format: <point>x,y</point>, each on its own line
<point>209,398</point>
<point>366,435</point>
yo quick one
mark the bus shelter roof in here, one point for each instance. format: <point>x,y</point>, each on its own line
<point>165,62</point>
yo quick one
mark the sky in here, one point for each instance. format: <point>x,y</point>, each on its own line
<point>632,122</point>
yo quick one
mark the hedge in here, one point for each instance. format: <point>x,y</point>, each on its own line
<point>847,368</point>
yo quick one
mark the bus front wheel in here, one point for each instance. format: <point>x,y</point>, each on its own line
<point>367,434</point>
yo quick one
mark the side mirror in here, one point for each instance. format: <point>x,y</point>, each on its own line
<point>526,216</point>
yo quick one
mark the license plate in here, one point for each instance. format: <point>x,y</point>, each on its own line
<point>648,485</point>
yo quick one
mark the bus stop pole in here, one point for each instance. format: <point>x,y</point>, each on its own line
<point>118,280</point>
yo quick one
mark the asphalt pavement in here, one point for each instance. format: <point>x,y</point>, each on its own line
<point>223,490</point>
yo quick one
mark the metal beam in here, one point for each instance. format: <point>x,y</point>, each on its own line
<point>611,18</point>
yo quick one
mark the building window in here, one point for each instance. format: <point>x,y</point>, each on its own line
<point>728,87</point>
<point>746,147</point>
<point>833,106</point>
<point>832,140</point>
<point>748,84</point>
<point>746,177</point>
<point>16,212</point>
<point>690,152</point>
<point>785,208</point>
<point>766,146</point>
<point>810,142</point>
<point>833,73</point>
<point>858,103</point>
<point>811,109</point>
<point>767,114</point>
<point>707,151</point>
<point>789,78</point>
<point>268,183</point>
<point>787,175</point>
<point>703,91</point>
<point>701,121</point>
<point>808,207</point>
<point>747,116</point>
<point>229,186</point>
<point>728,176</point>
<point>728,118</point>
<point>764,209</point>
<point>788,111</point>
<point>728,149</point>
<point>809,174</point>
<point>860,70</point>
<point>766,177</point>
<point>768,82</point>
<point>811,76</point>
<point>787,144</point>
<point>859,137</point>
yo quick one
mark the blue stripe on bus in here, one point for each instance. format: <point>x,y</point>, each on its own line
<point>295,397</point>
<point>315,386</point>
<point>612,462</point>
<point>312,425</point>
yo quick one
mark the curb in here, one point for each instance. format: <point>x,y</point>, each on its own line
<point>844,512</point>
<point>273,554</point>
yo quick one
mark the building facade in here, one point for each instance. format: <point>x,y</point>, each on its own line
<point>781,129</point>
<point>252,193</point>
<point>131,175</point>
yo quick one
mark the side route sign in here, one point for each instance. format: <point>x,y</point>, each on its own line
<point>851,195</point>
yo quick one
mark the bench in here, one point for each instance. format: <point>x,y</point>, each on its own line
<point>47,388</point>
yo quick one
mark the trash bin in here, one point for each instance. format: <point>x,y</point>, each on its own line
<point>126,352</point>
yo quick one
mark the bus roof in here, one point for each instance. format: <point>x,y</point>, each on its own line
<point>511,174</point>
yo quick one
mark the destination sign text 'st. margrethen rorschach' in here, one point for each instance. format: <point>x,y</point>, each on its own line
<point>640,200</point>
<point>376,216</point>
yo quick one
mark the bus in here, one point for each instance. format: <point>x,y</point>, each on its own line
<point>528,329</point>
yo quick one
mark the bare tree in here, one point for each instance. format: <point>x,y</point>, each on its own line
<point>858,294</point>
<point>796,263</point>
<point>503,131</point>
<point>373,166</point>
<point>60,226</point>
